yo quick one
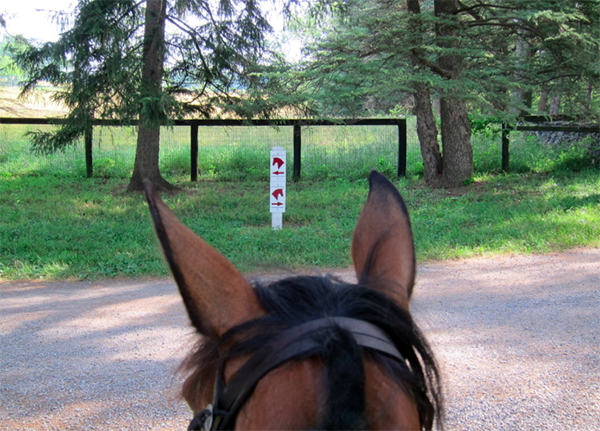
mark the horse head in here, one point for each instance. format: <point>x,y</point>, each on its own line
<point>306,352</point>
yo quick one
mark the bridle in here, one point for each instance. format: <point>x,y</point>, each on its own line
<point>290,344</point>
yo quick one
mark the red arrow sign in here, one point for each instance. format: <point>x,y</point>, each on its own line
<point>277,161</point>
<point>277,204</point>
<point>278,173</point>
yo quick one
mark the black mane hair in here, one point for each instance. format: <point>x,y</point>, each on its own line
<point>293,301</point>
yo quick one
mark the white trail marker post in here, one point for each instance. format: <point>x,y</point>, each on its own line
<point>278,165</point>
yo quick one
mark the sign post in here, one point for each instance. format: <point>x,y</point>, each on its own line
<point>278,165</point>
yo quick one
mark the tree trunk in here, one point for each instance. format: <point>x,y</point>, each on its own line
<point>589,92</point>
<point>427,133</point>
<point>589,97</point>
<point>148,142</point>
<point>426,125</point>
<point>456,139</point>
<point>543,103</point>
<point>521,98</point>
<point>555,103</point>
<point>456,129</point>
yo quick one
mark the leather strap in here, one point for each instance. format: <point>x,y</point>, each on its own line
<point>291,343</point>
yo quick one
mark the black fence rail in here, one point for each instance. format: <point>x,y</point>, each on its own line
<point>507,128</point>
<point>195,125</point>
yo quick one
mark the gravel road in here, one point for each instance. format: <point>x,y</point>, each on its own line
<point>517,338</point>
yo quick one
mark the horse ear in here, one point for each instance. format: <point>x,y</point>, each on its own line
<point>383,249</point>
<point>216,295</point>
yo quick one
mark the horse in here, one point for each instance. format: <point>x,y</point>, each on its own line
<point>306,352</point>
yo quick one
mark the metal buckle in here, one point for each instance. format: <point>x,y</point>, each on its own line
<point>203,420</point>
<point>208,418</point>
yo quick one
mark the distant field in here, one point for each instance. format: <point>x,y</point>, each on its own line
<point>37,105</point>
<point>232,153</point>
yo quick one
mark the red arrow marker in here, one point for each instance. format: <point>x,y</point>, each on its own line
<point>277,204</point>
<point>278,173</point>
<point>277,161</point>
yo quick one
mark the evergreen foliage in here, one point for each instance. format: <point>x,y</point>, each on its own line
<point>10,73</point>
<point>371,57</point>
<point>377,57</point>
<point>360,63</point>
<point>209,52</point>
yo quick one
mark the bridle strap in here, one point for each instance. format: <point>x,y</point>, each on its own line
<point>291,343</point>
<point>368,335</point>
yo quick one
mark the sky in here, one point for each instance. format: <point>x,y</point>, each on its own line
<point>33,19</point>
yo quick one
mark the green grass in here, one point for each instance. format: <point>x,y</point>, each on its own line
<point>55,224</point>
<point>61,228</point>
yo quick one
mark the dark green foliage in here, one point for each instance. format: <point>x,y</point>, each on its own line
<point>95,66</point>
<point>359,63</point>
<point>488,125</point>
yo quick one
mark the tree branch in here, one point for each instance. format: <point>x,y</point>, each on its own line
<point>431,65</point>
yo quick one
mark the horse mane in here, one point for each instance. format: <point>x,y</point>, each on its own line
<point>295,300</point>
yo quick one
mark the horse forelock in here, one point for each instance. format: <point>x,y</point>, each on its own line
<point>296,300</point>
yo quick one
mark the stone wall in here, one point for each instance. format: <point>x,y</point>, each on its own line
<point>567,139</point>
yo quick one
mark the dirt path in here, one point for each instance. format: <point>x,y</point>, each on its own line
<point>518,340</point>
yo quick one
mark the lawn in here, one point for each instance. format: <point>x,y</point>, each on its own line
<point>63,228</point>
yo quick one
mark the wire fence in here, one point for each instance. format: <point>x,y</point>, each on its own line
<point>232,153</point>
<point>225,153</point>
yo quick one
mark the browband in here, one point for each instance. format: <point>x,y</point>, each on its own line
<point>288,345</point>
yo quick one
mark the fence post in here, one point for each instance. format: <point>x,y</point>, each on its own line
<point>297,151</point>
<point>402,148</point>
<point>194,151</point>
<point>505,148</point>
<point>88,138</point>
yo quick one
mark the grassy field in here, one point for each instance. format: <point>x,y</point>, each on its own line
<point>55,224</point>
<point>37,104</point>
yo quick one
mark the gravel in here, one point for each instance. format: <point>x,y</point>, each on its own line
<point>517,339</point>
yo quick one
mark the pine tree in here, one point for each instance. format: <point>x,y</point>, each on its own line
<point>490,57</point>
<point>118,61</point>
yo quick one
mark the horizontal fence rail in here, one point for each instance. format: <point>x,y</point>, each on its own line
<point>303,143</point>
<point>195,124</point>
<point>507,128</point>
